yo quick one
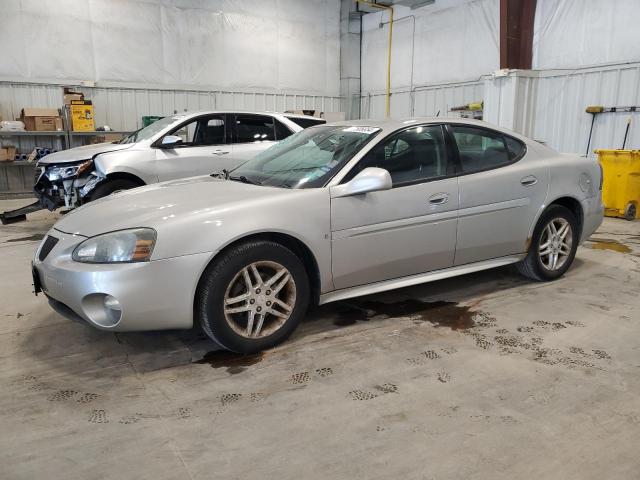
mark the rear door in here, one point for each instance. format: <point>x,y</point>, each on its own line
<point>204,149</point>
<point>252,134</point>
<point>501,190</point>
<point>407,230</point>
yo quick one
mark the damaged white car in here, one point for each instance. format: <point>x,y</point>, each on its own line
<point>177,146</point>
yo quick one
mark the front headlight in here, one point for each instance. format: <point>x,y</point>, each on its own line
<point>124,246</point>
<point>68,171</point>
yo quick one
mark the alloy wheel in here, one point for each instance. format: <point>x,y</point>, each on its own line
<point>556,242</point>
<point>259,299</point>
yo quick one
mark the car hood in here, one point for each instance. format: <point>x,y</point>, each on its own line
<point>172,205</point>
<point>81,153</point>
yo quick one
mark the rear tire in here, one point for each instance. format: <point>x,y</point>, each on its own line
<point>112,186</point>
<point>630,212</point>
<point>553,245</point>
<point>252,297</point>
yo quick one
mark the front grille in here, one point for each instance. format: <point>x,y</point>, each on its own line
<point>47,246</point>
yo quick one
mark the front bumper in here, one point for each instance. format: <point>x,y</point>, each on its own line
<point>155,295</point>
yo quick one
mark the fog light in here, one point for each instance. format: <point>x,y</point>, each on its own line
<point>112,308</point>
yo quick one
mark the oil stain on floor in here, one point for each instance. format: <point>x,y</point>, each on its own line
<point>233,362</point>
<point>440,313</point>
<point>608,244</point>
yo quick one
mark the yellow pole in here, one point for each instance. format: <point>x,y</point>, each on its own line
<point>390,9</point>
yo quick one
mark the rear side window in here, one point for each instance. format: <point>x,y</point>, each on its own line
<point>282,131</point>
<point>254,128</point>
<point>516,148</point>
<point>482,149</point>
<point>307,122</point>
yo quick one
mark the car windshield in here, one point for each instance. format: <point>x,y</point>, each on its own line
<point>306,159</point>
<point>150,130</point>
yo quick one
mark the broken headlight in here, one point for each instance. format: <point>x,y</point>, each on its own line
<point>64,172</point>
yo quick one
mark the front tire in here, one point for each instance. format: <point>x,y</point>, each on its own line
<point>252,297</point>
<point>112,186</point>
<point>553,245</point>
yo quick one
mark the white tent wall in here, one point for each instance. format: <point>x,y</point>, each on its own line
<point>586,52</point>
<point>583,33</point>
<point>448,45</point>
<point>264,45</point>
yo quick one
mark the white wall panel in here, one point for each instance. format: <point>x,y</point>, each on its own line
<point>426,101</point>
<point>451,40</point>
<point>123,108</point>
<point>560,117</point>
<point>280,45</point>
<point>579,33</point>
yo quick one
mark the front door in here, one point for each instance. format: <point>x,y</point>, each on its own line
<point>500,194</point>
<point>204,149</point>
<point>407,230</point>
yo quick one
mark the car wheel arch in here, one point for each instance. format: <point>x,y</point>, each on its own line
<point>297,246</point>
<point>125,176</point>
<point>567,201</point>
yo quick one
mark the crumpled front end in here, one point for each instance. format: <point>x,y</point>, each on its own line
<point>66,185</point>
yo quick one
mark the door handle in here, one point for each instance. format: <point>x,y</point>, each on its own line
<point>220,152</point>
<point>528,181</point>
<point>439,198</point>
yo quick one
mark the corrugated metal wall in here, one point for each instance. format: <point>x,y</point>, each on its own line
<point>561,98</point>
<point>428,100</point>
<point>123,108</point>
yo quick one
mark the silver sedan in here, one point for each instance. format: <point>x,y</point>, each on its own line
<point>333,212</point>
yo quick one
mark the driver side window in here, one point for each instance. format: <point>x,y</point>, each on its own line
<point>410,156</point>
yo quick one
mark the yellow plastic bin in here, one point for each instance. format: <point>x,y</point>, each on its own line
<point>621,183</point>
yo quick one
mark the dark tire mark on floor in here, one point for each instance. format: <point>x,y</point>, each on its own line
<point>361,395</point>
<point>229,398</point>
<point>325,371</point>
<point>98,416</point>
<point>87,397</point>
<point>387,388</point>
<point>300,378</point>
<point>61,395</point>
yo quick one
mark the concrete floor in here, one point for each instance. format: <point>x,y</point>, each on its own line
<point>511,379</point>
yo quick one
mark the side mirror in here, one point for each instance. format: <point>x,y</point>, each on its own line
<point>170,141</point>
<point>371,179</point>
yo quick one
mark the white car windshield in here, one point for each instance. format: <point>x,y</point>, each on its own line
<point>307,159</point>
<point>150,130</point>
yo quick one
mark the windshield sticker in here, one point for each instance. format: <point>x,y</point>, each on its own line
<point>367,130</point>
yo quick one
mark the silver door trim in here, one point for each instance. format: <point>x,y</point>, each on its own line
<point>417,279</point>
<point>394,225</point>
<point>494,207</point>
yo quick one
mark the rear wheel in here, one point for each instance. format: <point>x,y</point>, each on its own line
<point>553,245</point>
<point>630,212</point>
<point>112,186</point>
<point>252,297</point>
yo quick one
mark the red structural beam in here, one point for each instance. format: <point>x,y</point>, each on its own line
<point>516,33</point>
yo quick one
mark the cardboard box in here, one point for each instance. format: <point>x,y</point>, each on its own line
<point>107,138</point>
<point>41,119</point>
<point>82,116</point>
<point>7,154</point>
<point>69,96</point>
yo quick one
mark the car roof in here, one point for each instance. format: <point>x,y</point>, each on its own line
<point>195,113</point>
<point>299,115</point>
<point>390,125</point>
